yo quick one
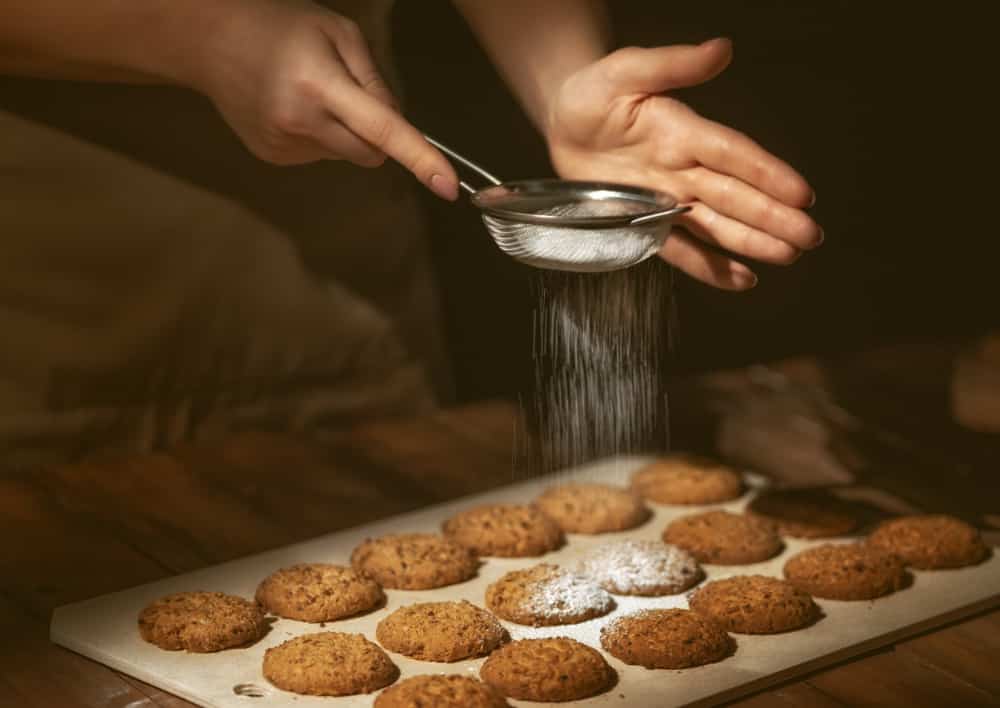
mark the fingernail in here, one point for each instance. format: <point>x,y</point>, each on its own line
<point>812,202</point>
<point>744,277</point>
<point>822,236</point>
<point>444,188</point>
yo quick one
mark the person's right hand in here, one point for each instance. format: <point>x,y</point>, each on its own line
<point>297,84</point>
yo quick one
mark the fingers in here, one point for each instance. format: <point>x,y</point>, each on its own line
<point>385,129</point>
<point>737,237</point>
<point>705,265</point>
<point>639,70</point>
<point>353,50</point>
<point>730,152</point>
<point>739,201</point>
<point>343,144</point>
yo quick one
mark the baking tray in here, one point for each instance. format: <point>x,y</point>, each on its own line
<point>104,628</point>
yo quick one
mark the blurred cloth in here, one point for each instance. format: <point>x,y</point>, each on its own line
<point>157,283</point>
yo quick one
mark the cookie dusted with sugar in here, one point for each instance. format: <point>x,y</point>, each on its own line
<point>687,479</point>
<point>414,561</point>
<point>545,595</point>
<point>591,508</point>
<point>441,631</point>
<point>201,622</point>
<point>505,530</point>
<point>329,664</point>
<point>451,691</point>
<point>549,670</point>
<point>318,592</point>
<point>930,541</point>
<point>646,568</point>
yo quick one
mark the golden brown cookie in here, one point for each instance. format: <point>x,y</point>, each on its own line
<point>634,567</point>
<point>686,479</point>
<point>724,538</point>
<point>505,530</point>
<point>581,507</point>
<point>849,571</point>
<point>201,622</point>
<point>545,595</point>
<point>754,604</point>
<point>930,541</point>
<point>441,631</point>
<point>553,669</point>
<point>666,639</point>
<point>805,513</point>
<point>329,664</point>
<point>318,592</point>
<point>441,692</point>
<point>414,561</point>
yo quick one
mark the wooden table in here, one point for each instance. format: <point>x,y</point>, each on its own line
<point>873,421</point>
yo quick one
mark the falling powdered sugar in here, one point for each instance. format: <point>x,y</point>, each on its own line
<point>646,568</point>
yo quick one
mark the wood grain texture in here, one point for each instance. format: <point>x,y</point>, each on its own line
<point>108,523</point>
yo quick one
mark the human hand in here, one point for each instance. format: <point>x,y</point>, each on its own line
<point>297,84</point>
<point>611,122</point>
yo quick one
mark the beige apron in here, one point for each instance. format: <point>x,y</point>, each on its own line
<point>158,284</point>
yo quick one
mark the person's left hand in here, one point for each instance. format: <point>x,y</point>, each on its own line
<point>612,122</point>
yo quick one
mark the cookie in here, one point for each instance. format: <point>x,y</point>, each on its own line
<point>201,622</point>
<point>666,639</point>
<point>850,571</point>
<point>930,541</point>
<point>685,479</point>
<point>754,604</point>
<point>552,669</point>
<point>329,664</point>
<point>647,568</point>
<point>318,592</point>
<point>441,692</point>
<point>724,538</point>
<point>505,530</point>
<point>441,631</point>
<point>414,561</point>
<point>805,513</point>
<point>591,508</point>
<point>545,595</point>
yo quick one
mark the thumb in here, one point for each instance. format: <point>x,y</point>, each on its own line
<point>638,70</point>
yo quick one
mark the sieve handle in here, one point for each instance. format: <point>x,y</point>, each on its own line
<point>463,161</point>
<point>646,218</point>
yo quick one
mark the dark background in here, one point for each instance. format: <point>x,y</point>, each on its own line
<point>881,108</point>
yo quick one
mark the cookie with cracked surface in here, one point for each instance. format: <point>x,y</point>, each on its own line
<point>754,604</point>
<point>591,508</point>
<point>414,561</point>
<point>549,670</point>
<point>329,664</point>
<point>930,541</point>
<point>849,571</point>
<point>505,530</point>
<point>666,639</point>
<point>452,691</point>
<point>441,631</point>
<point>806,513</point>
<point>318,592</point>
<point>687,479</point>
<point>546,595</point>
<point>724,538</point>
<point>640,567</point>
<point>201,622</point>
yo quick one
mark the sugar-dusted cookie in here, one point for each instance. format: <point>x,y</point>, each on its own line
<point>640,567</point>
<point>545,594</point>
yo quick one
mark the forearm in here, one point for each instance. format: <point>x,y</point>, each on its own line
<point>143,41</point>
<point>537,45</point>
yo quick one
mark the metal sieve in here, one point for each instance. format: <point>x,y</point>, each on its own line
<point>559,224</point>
